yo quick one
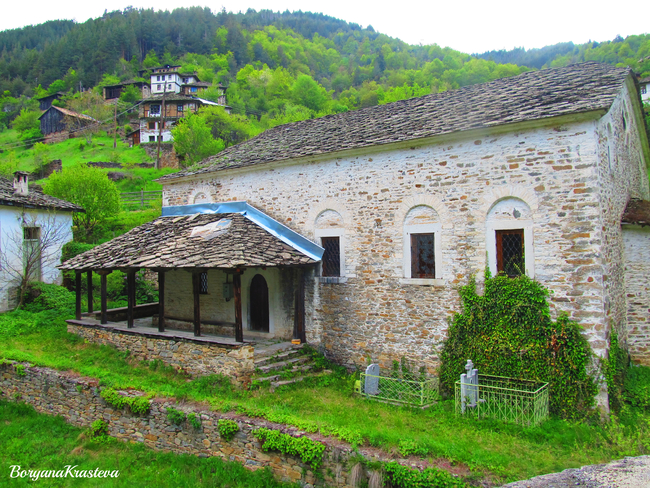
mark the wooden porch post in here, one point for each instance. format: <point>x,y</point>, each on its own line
<point>89,285</point>
<point>299,310</point>
<point>103,274</point>
<point>239,332</point>
<point>130,295</point>
<point>196,286</point>
<point>77,285</point>
<point>161,301</point>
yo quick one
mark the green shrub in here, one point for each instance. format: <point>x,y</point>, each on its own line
<point>175,416</point>
<point>194,420</point>
<point>404,477</point>
<point>508,331</point>
<point>138,405</point>
<point>227,429</point>
<point>637,386</point>
<point>42,297</point>
<point>99,428</point>
<point>72,249</point>
<point>310,451</point>
<point>615,368</point>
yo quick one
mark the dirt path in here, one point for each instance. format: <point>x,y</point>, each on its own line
<point>631,472</point>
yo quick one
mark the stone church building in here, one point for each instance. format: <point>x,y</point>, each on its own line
<point>384,212</point>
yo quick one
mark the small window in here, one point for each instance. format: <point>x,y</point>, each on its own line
<point>152,138</point>
<point>158,79</point>
<point>193,89</point>
<point>423,261</point>
<point>643,89</point>
<point>510,252</point>
<point>152,125</point>
<point>179,107</point>
<point>155,109</point>
<point>31,233</point>
<point>203,282</point>
<point>332,256</point>
<point>169,86</point>
<point>159,87</point>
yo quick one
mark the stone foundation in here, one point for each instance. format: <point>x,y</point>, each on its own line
<point>198,356</point>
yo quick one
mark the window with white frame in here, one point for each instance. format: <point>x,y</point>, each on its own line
<point>422,257</point>
<point>509,238</point>
<point>330,235</point>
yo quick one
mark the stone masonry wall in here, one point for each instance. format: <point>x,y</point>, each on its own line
<point>77,399</point>
<point>621,175</point>
<point>194,357</point>
<point>636,241</point>
<point>376,311</point>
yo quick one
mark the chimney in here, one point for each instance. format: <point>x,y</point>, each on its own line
<point>21,183</point>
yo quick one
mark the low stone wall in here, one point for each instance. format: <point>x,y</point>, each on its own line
<point>197,356</point>
<point>119,314</point>
<point>77,399</point>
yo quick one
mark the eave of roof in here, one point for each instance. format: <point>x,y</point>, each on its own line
<point>34,199</point>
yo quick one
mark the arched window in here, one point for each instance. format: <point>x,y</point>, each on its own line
<point>422,246</point>
<point>330,234</point>
<point>509,238</point>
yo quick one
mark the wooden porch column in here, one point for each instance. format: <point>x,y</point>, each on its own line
<point>239,332</point>
<point>89,285</point>
<point>196,287</point>
<point>130,295</point>
<point>161,301</point>
<point>77,286</point>
<point>103,274</point>
<point>299,310</point>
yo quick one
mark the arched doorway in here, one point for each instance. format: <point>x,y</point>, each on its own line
<point>259,304</point>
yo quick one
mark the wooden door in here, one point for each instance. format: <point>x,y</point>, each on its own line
<point>259,304</point>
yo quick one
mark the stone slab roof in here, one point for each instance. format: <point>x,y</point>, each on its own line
<point>637,212</point>
<point>530,96</point>
<point>170,97</point>
<point>34,199</point>
<point>168,243</point>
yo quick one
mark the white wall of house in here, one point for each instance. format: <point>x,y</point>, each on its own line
<point>12,221</point>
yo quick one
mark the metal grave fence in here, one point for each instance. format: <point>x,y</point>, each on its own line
<point>521,401</point>
<point>399,390</point>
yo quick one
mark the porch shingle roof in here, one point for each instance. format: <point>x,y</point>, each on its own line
<point>166,243</point>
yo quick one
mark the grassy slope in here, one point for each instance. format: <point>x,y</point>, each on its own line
<point>41,442</point>
<point>75,151</point>
<point>493,449</point>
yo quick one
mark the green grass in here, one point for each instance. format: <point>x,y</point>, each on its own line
<point>75,151</point>
<point>42,442</point>
<point>492,449</point>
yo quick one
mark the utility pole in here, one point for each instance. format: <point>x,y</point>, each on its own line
<point>160,125</point>
<point>115,122</point>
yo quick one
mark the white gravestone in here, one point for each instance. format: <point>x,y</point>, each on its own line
<point>469,387</point>
<point>371,386</point>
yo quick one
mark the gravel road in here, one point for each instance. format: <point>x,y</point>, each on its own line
<point>631,472</point>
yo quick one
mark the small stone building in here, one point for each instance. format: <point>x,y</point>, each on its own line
<point>529,174</point>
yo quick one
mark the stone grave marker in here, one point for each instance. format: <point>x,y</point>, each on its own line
<point>371,386</point>
<point>469,386</point>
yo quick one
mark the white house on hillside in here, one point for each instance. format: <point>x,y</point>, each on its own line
<point>33,229</point>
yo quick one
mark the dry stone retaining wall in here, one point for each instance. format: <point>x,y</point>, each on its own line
<point>194,357</point>
<point>77,399</point>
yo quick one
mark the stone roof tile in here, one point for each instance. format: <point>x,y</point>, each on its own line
<point>34,199</point>
<point>167,243</point>
<point>530,96</point>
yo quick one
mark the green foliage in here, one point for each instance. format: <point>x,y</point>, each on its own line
<point>194,420</point>
<point>99,428</point>
<point>227,429</point>
<point>508,332</point>
<point>311,452</point>
<point>615,368</point>
<point>175,416</point>
<point>89,187</point>
<point>26,121</point>
<point>72,249</point>
<point>404,477</point>
<point>41,156</point>
<point>138,405</point>
<point>20,369</point>
<point>193,139</point>
<point>43,297</point>
<point>637,386</point>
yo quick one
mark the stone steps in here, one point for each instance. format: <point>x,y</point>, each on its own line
<point>275,377</point>
<point>283,364</point>
<point>276,384</point>
<point>265,360</point>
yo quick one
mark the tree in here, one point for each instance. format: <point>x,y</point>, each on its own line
<point>41,156</point>
<point>35,246</point>
<point>193,139</point>
<point>91,104</point>
<point>89,187</point>
<point>28,125</point>
<point>230,128</point>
